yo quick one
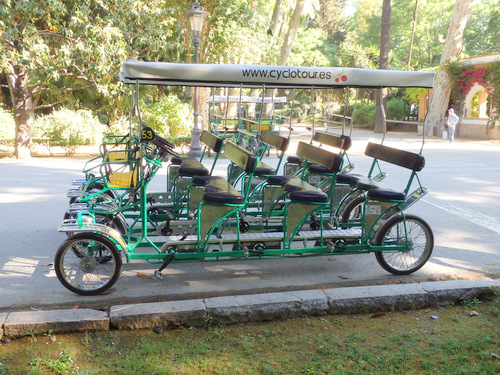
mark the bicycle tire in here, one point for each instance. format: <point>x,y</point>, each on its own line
<point>397,230</point>
<point>91,274</point>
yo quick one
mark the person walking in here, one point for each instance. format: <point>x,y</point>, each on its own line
<point>452,122</point>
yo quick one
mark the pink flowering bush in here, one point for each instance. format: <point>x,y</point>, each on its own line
<point>465,76</point>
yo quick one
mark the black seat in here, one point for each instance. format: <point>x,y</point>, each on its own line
<point>299,190</point>
<point>348,178</point>
<point>294,159</point>
<point>176,160</point>
<point>318,169</point>
<point>367,184</point>
<point>263,169</point>
<point>218,190</point>
<point>278,180</point>
<point>192,167</point>
<point>310,196</point>
<point>386,195</point>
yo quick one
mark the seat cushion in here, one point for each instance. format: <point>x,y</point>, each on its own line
<point>309,196</point>
<point>294,159</point>
<point>347,178</point>
<point>192,167</point>
<point>386,195</point>
<point>302,191</point>
<point>367,184</point>
<point>279,180</point>
<point>218,190</point>
<point>264,169</point>
<point>176,160</point>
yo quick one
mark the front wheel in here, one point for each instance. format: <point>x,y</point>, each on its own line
<point>88,263</point>
<point>412,231</point>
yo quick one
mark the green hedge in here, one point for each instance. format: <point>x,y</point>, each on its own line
<point>69,129</point>
<point>396,109</point>
<point>365,114</point>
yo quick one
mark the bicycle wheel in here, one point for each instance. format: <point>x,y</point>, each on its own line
<point>353,211</point>
<point>88,263</point>
<point>397,231</point>
<point>254,145</point>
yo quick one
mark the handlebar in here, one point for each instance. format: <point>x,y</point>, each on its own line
<point>164,149</point>
<point>164,141</point>
<point>148,135</point>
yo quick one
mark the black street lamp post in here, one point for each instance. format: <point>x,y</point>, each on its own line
<point>196,17</point>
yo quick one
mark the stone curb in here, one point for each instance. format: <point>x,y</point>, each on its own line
<point>3,317</point>
<point>246,308</point>
<point>19,324</point>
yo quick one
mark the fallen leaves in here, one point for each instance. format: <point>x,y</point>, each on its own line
<point>378,315</point>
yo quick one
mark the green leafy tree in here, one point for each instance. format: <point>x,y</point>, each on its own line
<point>43,43</point>
<point>452,48</point>
<point>385,35</point>
<point>482,34</point>
<point>429,31</point>
<point>50,49</point>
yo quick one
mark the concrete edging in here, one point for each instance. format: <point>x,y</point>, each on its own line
<point>19,324</point>
<point>246,308</point>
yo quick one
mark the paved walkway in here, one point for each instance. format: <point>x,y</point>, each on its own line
<point>466,260</point>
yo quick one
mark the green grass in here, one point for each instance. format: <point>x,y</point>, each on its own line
<point>392,343</point>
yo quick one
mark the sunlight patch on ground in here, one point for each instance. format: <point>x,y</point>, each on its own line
<point>22,194</point>
<point>19,267</point>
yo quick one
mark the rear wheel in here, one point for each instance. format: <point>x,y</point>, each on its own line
<point>353,211</point>
<point>88,263</point>
<point>412,231</point>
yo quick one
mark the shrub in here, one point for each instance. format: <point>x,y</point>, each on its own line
<point>7,124</point>
<point>170,117</point>
<point>397,109</point>
<point>69,129</point>
<point>119,126</point>
<point>365,114</point>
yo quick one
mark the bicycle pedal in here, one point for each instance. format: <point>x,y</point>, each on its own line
<point>158,275</point>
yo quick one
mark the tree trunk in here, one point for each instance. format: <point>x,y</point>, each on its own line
<point>292,31</point>
<point>413,27</point>
<point>385,33</point>
<point>442,87</point>
<point>273,27</point>
<point>203,94</point>
<point>24,113</point>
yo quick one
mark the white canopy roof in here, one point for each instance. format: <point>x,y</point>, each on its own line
<point>227,75</point>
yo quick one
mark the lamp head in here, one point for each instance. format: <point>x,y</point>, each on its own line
<point>196,17</point>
